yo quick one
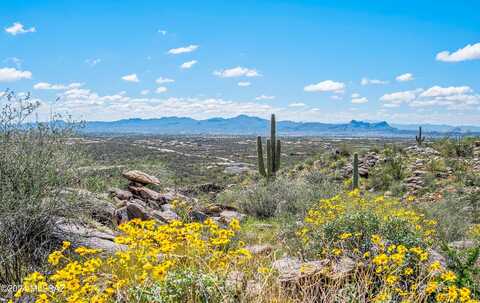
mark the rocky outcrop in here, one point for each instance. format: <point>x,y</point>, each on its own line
<point>365,163</point>
<point>140,177</point>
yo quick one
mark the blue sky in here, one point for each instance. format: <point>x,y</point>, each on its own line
<point>330,61</point>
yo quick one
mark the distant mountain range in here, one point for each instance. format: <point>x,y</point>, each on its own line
<point>247,125</point>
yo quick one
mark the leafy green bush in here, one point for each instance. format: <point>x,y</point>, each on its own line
<point>36,165</point>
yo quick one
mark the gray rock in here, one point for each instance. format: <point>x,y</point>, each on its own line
<point>259,249</point>
<point>227,216</point>
<point>121,194</point>
<point>166,216</point>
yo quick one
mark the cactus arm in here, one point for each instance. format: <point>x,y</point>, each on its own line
<point>278,152</point>
<point>269,159</point>
<point>355,171</point>
<point>261,163</point>
<point>419,138</point>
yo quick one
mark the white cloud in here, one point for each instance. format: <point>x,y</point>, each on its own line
<point>162,31</point>
<point>131,78</point>
<point>438,91</point>
<point>145,92</point>
<point>450,98</point>
<point>244,83</point>
<point>48,86</point>
<point>395,99</point>
<point>264,97</point>
<point>336,97</point>
<point>237,72</point>
<point>297,104</point>
<point>360,100</point>
<point>182,50</point>
<point>17,28</point>
<point>366,81</point>
<point>469,52</point>
<point>162,80</point>
<point>355,95</point>
<point>8,74</point>
<point>404,77</point>
<point>93,61</point>
<point>161,89</point>
<point>326,86</point>
<point>188,64</point>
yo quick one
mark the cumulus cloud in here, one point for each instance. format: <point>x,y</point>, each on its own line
<point>366,81</point>
<point>469,52</point>
<point>326,86</point>
<point>244,83</point>
<point>162,80</point>
<point>182,50</point>
<point>359,100</point>
<point>48,86</point>
<point>17,28</point>
<point>161,89</point>
<point>188,64</point>
<point>145,92</point>
<point>236,72</point>
<point>10,74</point>
<point>297,104</point>
<point>404,77</point>
<point>450,98</point>
<point>264,97</point>
<point>131,78</point>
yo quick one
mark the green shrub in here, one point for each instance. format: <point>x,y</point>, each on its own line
<point>36,165</point>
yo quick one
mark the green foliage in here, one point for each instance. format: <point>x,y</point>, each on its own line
<point>273,152</point>
<point>455,147</point>
<point>464,264</point>
<point>36,166</point>
<point>355,176</point>
<point>389,173</point>
<point>186,286</point>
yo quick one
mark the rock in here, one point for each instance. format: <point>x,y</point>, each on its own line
<point>140,177</point>
<point>317,164</point>
<point>227,216</point>
<point>292,270</point>
<point>165,207</point>
<point>234,280</point>
<point>146,193</point>
<point>166,216</point>
<point>259,249</point>
<point>198,216</point>
<point>121,194</point>
<point>209,187</point>
<point>80,235</point>
<point>434,256</point>
<point>120,215</point>
<point>463,244</point>
<point>253,289</point>
<point>135,210</point>
<point>343,268</point>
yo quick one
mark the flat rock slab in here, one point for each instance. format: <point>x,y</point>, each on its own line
<point>140,177</point>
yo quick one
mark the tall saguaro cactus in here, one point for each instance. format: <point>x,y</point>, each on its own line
<point>419,138</point>
<point>273,152</point>
<point>355,171</point>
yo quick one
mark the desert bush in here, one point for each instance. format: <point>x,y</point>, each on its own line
<point>36,165</point>
<point>389,173</point>
<point>455,147</point>
<point>161,263</point>
<point>282,196</point>
<point>389,244</point>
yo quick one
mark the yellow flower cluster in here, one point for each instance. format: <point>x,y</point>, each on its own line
<point>151,251</point>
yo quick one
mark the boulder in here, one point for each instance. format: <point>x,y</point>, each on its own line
<point>80,235</point>
<point>343,268</point>
<point>292,270</point>
<point>227,216</point>
<point>121,194</point>
<point>197,215</point>
<point>146,193</point>
<point>140,177</point>
<point>135,210</point>
<point>259,249</point>
<point>166,216</point>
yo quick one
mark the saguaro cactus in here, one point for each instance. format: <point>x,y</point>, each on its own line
<point>273,152</point>
<point>419,138</point>
<point>355,171</point>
